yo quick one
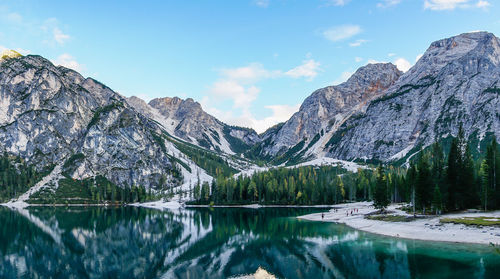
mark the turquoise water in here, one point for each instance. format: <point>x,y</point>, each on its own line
<point>130,242</point>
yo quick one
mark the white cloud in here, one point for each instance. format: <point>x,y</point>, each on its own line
<point>440,5</point>
<point>343,77</point>
<point>483,4</point>
<point>59,36</point>
<point>358,59</point>
<point>309,69</point>
<point>261,3</point>
<point>238,85</point>
<point>241,96</point>
<point>248,74</point>
<point>357,43</point>
<point>373,61</point>
<point>388,3</point>
<point>341,32</point>
<point>418,57</point>
<point>68,61</point>
<point>338,2</point>
<point>402,64</point>
<point>443,4</point>
<point>391,54</point>
<point>280,113</point>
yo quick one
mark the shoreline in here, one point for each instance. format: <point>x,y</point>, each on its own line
<point>427,228</point>
<point>259,206</point>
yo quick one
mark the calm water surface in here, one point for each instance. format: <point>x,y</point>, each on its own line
<point>217,243</point>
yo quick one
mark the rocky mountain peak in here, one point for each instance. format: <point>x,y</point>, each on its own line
<point>177,107</point>
<point>325,109</point>
<point>457,49</point>
<point>454,82</point>
<point>373,77</point>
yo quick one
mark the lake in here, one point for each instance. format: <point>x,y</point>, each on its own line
<point>129,242</point>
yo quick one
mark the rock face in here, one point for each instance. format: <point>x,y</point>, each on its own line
<point>50,114</point>
<point>455,81</point>
<point>186,119</point>
<point>382,114</point>
<point>53,116</point>
<point>325,109</point>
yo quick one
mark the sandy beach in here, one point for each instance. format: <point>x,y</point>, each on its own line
<point>428,228</point>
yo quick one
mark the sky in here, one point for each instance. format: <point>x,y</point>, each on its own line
<point>250,63</point>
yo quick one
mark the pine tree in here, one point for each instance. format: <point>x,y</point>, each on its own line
<point>423,185</point>
<point>437,203</point>
<point>486,189</point>
<point>453,170</point>
<point>252,191</point>
<point>381,199</point>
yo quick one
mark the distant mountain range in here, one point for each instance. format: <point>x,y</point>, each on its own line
<point>52,116</point>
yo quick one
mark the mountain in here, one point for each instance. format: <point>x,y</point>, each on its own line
<point>382,114</point>
<point>455,81</point>
<point>324,111</point>
<point>54,118</point>
<point>71,127</point>
<point>186,120</point>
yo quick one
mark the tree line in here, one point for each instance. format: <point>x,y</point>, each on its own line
<point>16,177</point>
<point>436,180</point>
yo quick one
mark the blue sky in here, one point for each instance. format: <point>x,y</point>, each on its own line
<point>248,62</point>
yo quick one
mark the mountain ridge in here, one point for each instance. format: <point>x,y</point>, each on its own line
<point>51,115</point>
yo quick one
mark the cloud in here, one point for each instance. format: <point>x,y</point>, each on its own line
<point>418,57</point>
<point>239,86</point>
<point>373,61</point>
<point>391,54</point>
<point>261,3</point>
<point>341,32</point>
<point>358,59</point>
<point>59,36</point>
<point>309,69</point>
<point>68,61</point>
<point>441,5</point>
<point>402,64</point>
<point>248,74</point>
<point>483,4</point>
<point>280,113</point>
<point>241,96</point>
<point>388,3</point>
<point>343,77</point>
<point>337,2</point>
<point>357,43</point>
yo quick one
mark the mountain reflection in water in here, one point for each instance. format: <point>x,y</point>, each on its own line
<point>129,242</point>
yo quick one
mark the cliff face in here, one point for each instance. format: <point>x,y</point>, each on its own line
<point>186,119</point>
<point>455,81</point>
<point>326,109</point>
<point>50,114</point>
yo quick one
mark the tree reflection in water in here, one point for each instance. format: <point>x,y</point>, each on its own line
<point>129,242</point>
